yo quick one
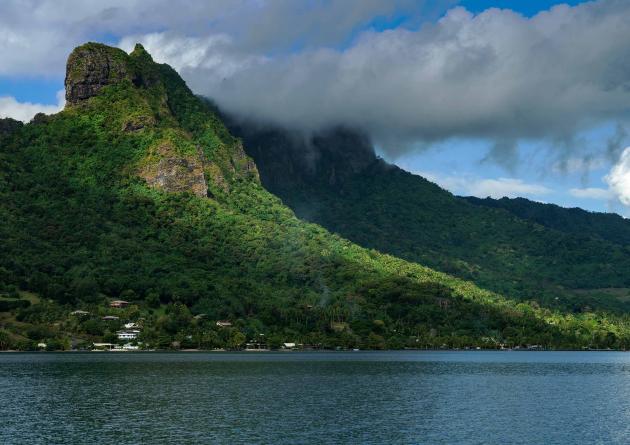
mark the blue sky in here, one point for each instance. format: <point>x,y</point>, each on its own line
<point>472,126</point>
<point>525,7</point>
<point>457,163</point>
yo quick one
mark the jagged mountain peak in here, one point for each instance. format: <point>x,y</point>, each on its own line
<point>140,53</point>
<point>186,146</point>
<point>92,66</point>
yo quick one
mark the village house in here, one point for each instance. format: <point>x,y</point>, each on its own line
<point>125,347</point>
<point>119,304</point>
<point>109,318</point>
<point>103,346</point>
<point>131,325</point>
<point>224,323</point>
<point>79,313</point>
<point>128,335</point>
<point>256,346</point>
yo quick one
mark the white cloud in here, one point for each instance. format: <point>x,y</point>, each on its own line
<point>619,178</point>
<point>510,187</point>
<point>487,187</point>
<point>24,111</point>
<point>185,54</point>
<point>37,35</point>
<point>579,165</point>
<point>592,193</point>
<point>495,75</point>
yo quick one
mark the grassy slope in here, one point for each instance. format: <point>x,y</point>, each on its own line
<point>80,226</point>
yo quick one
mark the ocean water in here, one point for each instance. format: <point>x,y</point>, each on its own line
<point>458,397</point>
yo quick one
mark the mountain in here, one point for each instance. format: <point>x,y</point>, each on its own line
<point>137,191</point>
<point>558,257</point>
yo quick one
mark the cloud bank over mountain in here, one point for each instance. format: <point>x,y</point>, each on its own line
<point>495,75</point>
<point>37,35</point>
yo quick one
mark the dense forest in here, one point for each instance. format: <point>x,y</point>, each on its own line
<point>138,192</point>
<point>606,226</point>
<point>562,258</point>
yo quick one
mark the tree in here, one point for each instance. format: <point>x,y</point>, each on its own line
<point>5,340</point>
<point>236,339</point>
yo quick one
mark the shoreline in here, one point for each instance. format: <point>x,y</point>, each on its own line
<point>312,351</point>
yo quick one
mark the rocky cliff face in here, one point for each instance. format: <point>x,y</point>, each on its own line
<point>171,171</point>
<point>91,67</point>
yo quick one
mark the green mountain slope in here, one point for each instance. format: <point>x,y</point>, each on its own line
<point>607,226</point>
<point>138,191</point>
<point>558,257</point>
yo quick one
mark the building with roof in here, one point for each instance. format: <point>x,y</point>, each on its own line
<point>128,335</point>
<point>79,313</point>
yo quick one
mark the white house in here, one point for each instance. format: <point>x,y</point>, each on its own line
<point>131,326</point>
<point>80,313</point>
<point>128,335</point>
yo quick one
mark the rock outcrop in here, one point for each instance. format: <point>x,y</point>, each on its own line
<point>241,162</point>
<point>134,124</point>
<point>171,171</point>
<point>179,175</point>
<point>91,67</point>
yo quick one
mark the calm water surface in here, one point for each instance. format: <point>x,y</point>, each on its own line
<point>293,398</point>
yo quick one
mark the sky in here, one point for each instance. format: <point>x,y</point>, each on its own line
<point>486,98</point>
